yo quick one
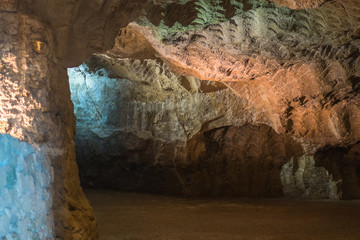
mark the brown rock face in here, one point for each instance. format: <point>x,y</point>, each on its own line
<point>166,133</point>
<point>298,69</point>
<point>243,161</point>
<point>293,4</point>
<point>228,161</point>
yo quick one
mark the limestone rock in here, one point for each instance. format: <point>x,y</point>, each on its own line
<point>138,112</point>
<point>296,71</point>
<point>25,183</point>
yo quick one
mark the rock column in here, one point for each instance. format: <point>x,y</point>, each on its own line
<point>40,192</point>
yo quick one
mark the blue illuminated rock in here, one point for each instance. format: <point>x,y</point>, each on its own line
<point>25,191</point>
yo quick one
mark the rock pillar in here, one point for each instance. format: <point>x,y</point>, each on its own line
<point>40,192</point>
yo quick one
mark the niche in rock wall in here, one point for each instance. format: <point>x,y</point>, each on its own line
<point>141,127</point>
<point>344,164</point>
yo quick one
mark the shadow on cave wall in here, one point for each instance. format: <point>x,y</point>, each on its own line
<point>236,161</point>
<point>344,164</point>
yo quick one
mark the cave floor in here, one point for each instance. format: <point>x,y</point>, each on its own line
<point>136,216</point>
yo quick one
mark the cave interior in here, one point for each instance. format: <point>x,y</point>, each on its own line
<point>177,99</point>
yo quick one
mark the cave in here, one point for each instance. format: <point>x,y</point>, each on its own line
<point>179,119</point>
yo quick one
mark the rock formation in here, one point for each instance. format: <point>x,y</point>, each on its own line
<point>40,195</point>
<point>219,97</point>
<point>142,127</point>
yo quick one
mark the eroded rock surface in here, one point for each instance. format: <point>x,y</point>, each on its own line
<point>294,4</point>
<point>301,178</point>
<point>140,113</point>
<point>296,71</point>
<point>26,179</point>
<point>299,69</point>
<point>142,127</point>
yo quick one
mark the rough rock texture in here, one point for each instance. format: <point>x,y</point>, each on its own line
<point>279,60</point>
<point>301,178</point>
<point>244,161</point>
<point>25,185</point>
<point>295,4</point>
<point>296,71</point>
<point>141,127</point>
<point>83,27</point>
<point>144,97</point>
<point>42,198</point>
<point>343,163</point>
<point>152,115</point>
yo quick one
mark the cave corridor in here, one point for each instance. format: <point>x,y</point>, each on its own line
<point>179,119</point>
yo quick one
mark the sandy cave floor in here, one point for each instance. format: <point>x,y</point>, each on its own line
<point>136,216</point>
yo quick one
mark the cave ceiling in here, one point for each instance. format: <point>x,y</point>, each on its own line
<point>297,63</point>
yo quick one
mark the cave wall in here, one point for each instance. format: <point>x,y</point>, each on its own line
<point>296,71</point>
<point>25,185</point>
<point>343,163</point>
<point>141,127</point>
<point>298,68</point>
<point>41,196</point>
<point>133,112</point>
